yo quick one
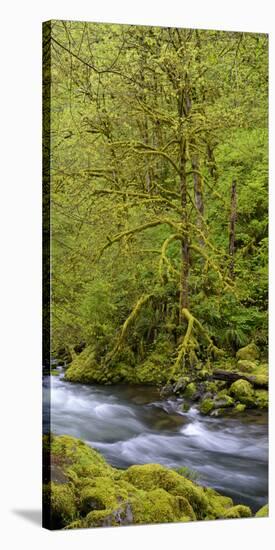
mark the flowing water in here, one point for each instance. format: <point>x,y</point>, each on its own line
<point>134,425</point>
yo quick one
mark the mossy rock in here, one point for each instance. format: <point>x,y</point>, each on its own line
<point>239,511</point>
<point>158,506</point>
<point>84,368</point>
<point>149,476</point>
<point>55,372</point>
<point>101,494</point>
<point>206,406</point>
<point>239,408</point>
<point>60,500</point>
<point>217,504</point>
<point>262,512</point>
<point>249,353</point>
<point>259,376</point>
<point>223,400</point>
<point>181,384</point>
<point>261,399</point>
<point>94,494</point>
<point>244,365</point>
<point>190,390</point>
<point>243,391</point>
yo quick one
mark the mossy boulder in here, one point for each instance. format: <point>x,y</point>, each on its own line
<point>206,405</point>
<point>159,506</point>
<point>239,408</point>
<point>248,353</point>
<point>60,500</point>
<point>190,390</point>
<point>94,494</point>
<point>102,493</point>
<point>244,365</point>
<point>84,368</point>
<point>243,392</point>
<point>238,511</point>
<point>262,512</point>
<point>261,399</point>
<point>149,476</point>
<point>259,376</point>
<point>223,400</point>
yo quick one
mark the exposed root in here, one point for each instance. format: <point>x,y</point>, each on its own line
<point>125,327</point>
<point>188,341</point>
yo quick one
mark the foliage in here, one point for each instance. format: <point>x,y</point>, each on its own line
<point>149,128</point>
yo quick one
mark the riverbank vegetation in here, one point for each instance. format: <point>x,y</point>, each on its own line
<point>159,207</point>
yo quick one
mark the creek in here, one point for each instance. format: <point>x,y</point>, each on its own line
<point>134,425</point>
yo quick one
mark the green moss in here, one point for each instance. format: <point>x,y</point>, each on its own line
<point>217,504</point>
<point>60,499</point>
<point>101,494</point>
<point>206,406</point>
<point>249,353</point>
<point>239,408</point>
<point>158,506</point>
<point>212,386</point>
<point>84,368</point>
<point>181,384</point>
<point>238,511</point>
<point>79,461</point>
<point>263,512</point>
<point>156,369</point>
<point>77,524</point>
<point>223,400</point>
<point>261,399</point>
<point>242,391</point>
<point>95,494</point>
<point>244,365</point>
<point>55,372</point>
<point>190,390</point>
<point>100,518</point>
<point>149,476</point>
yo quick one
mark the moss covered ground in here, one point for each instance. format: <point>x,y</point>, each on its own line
<point>91,493</point>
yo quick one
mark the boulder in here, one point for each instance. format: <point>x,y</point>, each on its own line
<point>248,353</point>
<point>244,365</point>
<point>242,391</point>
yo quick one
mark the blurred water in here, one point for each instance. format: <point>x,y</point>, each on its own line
<point>133,425</point>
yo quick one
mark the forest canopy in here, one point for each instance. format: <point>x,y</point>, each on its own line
<point>159,195</point>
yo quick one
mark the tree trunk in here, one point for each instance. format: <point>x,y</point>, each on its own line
<point>185,241</point>
<point>184,105</point>
<point>198,194</point>
<point>232,228</point>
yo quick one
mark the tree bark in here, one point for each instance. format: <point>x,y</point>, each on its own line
<point>184,107</point>
<point>232,228</point>
<point>198,194</point>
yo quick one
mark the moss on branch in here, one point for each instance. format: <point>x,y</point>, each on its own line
<point>129,321</point>
<point>137,229</point>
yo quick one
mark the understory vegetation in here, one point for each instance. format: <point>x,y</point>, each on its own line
<point>158,199</point>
